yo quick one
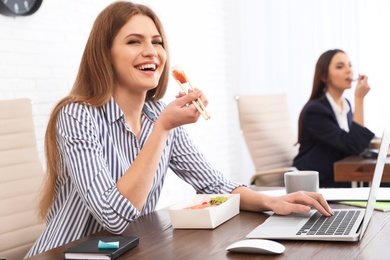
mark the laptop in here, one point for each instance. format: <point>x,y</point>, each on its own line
<point>345,225</point>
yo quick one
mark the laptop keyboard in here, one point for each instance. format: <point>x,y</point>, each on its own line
<point>340,223</point>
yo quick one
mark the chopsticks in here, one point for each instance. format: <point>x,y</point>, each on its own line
<point>181,79</point>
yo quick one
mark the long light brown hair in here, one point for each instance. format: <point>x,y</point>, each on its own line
<point>95,82</point>
<point>319,86</point>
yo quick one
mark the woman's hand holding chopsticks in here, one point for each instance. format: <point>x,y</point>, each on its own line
<point>182,80</point>
<point>182,110</point>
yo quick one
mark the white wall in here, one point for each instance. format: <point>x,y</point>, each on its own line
<point>226,47</point>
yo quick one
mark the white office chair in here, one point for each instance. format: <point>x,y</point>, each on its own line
<point>21,175</point>
<point>266,126</point>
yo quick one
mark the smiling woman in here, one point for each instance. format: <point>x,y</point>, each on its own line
<point>110,142</point>
<point>19,7</point>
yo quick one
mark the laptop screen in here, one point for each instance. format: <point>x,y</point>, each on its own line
<point>376,181</point>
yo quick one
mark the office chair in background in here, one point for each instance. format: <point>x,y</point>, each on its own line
<point>266,126</point>
<point>21,175</point>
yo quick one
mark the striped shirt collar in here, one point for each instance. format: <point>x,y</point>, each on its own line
<point>115,113</point>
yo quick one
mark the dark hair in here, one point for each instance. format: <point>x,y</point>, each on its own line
<point>319,87</point>
<point>95,82</point>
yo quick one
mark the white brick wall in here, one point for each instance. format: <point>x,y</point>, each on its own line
<point>39,54</point>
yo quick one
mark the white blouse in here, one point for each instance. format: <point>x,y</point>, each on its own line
<point>341,114</point>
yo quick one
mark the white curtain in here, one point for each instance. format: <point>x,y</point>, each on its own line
<point>375,56</point>
<point>281,41</point>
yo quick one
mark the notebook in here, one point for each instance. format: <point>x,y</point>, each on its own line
<point>345,225</point>
<point>106,247</point>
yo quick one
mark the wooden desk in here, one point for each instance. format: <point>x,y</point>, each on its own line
<point>358,169</point>
<point>159,241</point>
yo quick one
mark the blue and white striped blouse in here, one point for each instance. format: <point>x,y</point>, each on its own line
<point>96,149</point>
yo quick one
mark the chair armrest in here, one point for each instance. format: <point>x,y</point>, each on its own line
<point>270,172</point>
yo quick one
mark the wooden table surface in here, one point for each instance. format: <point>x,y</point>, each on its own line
<point>356,168</point>
<point>159,241</point>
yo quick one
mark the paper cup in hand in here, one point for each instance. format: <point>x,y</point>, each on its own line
<point>301,181</point>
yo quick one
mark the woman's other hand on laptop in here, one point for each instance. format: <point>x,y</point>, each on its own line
<point>300,201</point>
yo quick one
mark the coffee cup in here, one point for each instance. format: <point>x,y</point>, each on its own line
<point>301,181</point>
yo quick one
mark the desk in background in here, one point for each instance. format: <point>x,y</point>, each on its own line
<point>159,241</point>
<point>357,169</point>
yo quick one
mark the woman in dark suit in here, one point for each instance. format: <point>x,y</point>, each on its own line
<point>327,129</point>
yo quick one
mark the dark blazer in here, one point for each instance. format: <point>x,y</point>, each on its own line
<point>323,142</point>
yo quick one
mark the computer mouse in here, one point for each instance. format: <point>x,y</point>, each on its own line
<point>369,153</point>
<point>256,246</point>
